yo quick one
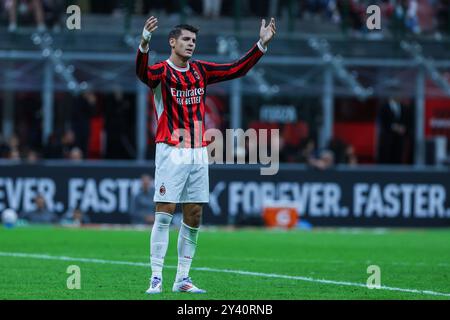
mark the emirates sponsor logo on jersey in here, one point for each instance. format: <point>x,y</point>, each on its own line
<point>187,93</point>
<point>193,96</point>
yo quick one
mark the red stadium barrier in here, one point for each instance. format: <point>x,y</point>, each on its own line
<point>361,135</point>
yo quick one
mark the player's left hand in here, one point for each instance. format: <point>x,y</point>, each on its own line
<point>266,33</point>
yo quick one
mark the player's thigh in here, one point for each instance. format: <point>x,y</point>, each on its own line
<point>197,186</point>
<point>171,173</point>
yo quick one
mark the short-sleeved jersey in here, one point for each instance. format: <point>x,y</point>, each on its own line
<point>178,94</point>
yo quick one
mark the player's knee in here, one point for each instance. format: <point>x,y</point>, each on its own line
<point>196,220</point>
<point>194,216</point>
<point>163,219</point>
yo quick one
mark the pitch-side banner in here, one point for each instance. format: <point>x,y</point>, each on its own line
<point>237,194</point>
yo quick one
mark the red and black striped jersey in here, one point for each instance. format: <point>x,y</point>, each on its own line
<point>178,94</point>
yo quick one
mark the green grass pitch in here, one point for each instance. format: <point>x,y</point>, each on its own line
<point>237,264</point>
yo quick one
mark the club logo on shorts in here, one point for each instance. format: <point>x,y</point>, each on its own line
<point>162,190</point>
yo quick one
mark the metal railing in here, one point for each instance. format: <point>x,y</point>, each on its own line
<point>59,62</point>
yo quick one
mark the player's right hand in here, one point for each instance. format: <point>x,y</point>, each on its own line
<point>151,24</point>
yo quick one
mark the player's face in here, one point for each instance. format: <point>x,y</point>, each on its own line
<point>184,46</point>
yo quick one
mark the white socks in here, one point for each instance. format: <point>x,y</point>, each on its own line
<point>187,242</point>
<point>159,241</point>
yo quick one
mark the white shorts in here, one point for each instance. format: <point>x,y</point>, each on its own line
<point>181,174</point>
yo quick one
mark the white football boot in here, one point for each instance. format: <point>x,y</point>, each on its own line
<point>155,286</point>
<point>186,285</point>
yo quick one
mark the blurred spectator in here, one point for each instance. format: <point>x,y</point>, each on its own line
<point>409,121</point>
<point>324,162</point>
<point>211,8</point>
<point>22,7</point>
<point>279,8</point>
<point>12,148</point>
<point>443,16</point>
<point>53,149</point>
<point>291,140</point>
<point>308,155</point>
<point>412,20</point>
<point>67,143</point>
<point>118,121</point>
<point>113,124</point>
<point>314,8</point>
<point>259,8</point>
<point>104,7</point>
<point>157,7</point>
<point>75,218</point>
<point>413,16</point>
<point>14,154</point>
<point>352,13</point>
<point>53,12</point>
<point>350,156</point>
<point>392,122</point>
<point>41,214</point>
<point>307,149</point>
<point>327,159</point>
<point>333,12</point>
<point>343,153</point>
<point>29,114</point>
<point>14,142</point>
<point>142,207</point>
<point>338,147</point>
<point>82,112</point>
<point>4,148</point>
<point>396,22</point>
<point>76,154</point>
<point>32,157</point>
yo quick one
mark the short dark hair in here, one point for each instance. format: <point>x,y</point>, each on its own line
<point>176,31</point>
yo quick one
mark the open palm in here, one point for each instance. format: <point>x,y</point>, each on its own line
<point>266,33</point>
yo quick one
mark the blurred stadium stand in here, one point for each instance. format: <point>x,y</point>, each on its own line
<point>324,62</point>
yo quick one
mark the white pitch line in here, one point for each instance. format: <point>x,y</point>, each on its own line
<point>240,272</point>
<point>418,264</point>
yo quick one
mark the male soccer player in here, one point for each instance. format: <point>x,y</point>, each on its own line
<point>179,85</point>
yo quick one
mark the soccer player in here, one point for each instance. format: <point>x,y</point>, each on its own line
<point>178,87</point>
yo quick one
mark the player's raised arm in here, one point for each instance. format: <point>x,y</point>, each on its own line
<point>148,75</point>
<point>150,26</point>
<point>216,72</point>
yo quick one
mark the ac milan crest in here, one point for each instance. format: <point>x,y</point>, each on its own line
<point>162,190</point>
<point>196,75</point>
